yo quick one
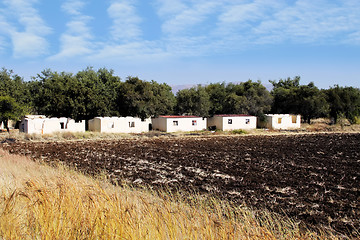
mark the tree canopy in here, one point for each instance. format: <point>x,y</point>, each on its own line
<point>193,101</point>
<point>344,102</point>
<point>91,93</point>
<point>306,100</point>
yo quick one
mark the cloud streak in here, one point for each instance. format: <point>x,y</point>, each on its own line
<point>188,27</point>
<point>30,42</point>
<point>125,21</point>
<point>77,40</point>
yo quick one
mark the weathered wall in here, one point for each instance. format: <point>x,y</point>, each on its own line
<point>280,121</point>
<point>42,125</point>
<point>179,124</point>
<point>237,122</point>
<point>119,125</point>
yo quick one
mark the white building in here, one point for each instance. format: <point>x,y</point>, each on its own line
<point>228,122</point>
<point>179,123</point>
<point>40,124</point>
<point>280,121</point>
<point>119,124</point>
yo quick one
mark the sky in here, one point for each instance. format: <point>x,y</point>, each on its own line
<point>182,42</point>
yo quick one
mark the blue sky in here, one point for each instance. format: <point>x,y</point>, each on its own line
<point>186,41</point>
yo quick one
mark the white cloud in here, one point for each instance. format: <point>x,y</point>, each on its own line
<point>167,8</point>
<point>303,21</point>
<point>30,42</point>
<point>125,21</point>
<point>132,51</point>
<point>73,7</point>
<point>23,42</point>
<point>77,40</point>
<point>184,19</point>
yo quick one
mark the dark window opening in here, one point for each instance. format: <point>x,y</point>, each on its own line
<point>175,123</point>
<point>229,121</point>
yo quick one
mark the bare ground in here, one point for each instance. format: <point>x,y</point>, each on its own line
<point>312,177</point>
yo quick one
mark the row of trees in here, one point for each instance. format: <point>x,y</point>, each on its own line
<point>91,93</point>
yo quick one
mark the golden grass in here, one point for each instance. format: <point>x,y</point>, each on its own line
<point>42,202</point>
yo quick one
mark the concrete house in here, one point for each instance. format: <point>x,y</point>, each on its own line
<point>40,124</point>
<point>280,121</point>
<point>228,122</point>
<point>179,123</point>
<point>119,124</point>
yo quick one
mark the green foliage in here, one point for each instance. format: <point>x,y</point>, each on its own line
<point>247,98</point>
<point>9,109</point>
<point>306,100</point>
<point>12,85</point>
<point>86,95</point>
<point>91,93</point>
<point>238,131</point>
<point>344,101</point>
<point>99,91</point>
<point>193,101</point>
<point>145,99</point>
<point>217,95</point>
<point>244,98</point>
<point>15,98</point>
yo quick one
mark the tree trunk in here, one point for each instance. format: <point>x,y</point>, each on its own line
<point>6,125</point>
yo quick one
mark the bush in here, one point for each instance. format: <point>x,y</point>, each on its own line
<point>239,131</point>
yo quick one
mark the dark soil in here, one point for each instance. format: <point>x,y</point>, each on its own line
<point>311,177</point>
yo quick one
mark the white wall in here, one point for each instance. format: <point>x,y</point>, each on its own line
<point>119,125</point>
<point>41,125</point>
<point>281,121</point>
<point>179,124</point>
<point>228,123</point>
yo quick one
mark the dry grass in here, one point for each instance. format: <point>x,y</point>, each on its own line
<point>42,202</point>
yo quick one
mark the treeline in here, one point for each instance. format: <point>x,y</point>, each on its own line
<point>91,93</point>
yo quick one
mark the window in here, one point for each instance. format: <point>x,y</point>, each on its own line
<point>131,124</point>
<point>279,120</point>
<point>294,118</point>
<point>62,125</point>
<point>229,121</point>
<point>175,123</point>
<point>194,123</point>
<point>111,125</point>
<point>247,121</point>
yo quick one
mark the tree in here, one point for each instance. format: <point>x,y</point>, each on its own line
<point>247,98</point>
<point>83,96</point>
<point>193,101</point>
<point>57,95</point>
<point>99,92</point>
<point>306,100</point>
<point>14,86</point>
<point>344,101</point>
<point>144,99</point>
<point>311,102</point>
<point>217,95</point>
<point>9,110</point>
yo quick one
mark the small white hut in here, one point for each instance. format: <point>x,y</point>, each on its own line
<point>40,124</point>
<point>228,122</point>
<point>280,121</point>
<point>119,124</point>
<point>179,123</point>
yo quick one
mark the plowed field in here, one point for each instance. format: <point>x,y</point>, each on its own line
<point>313,177</point>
